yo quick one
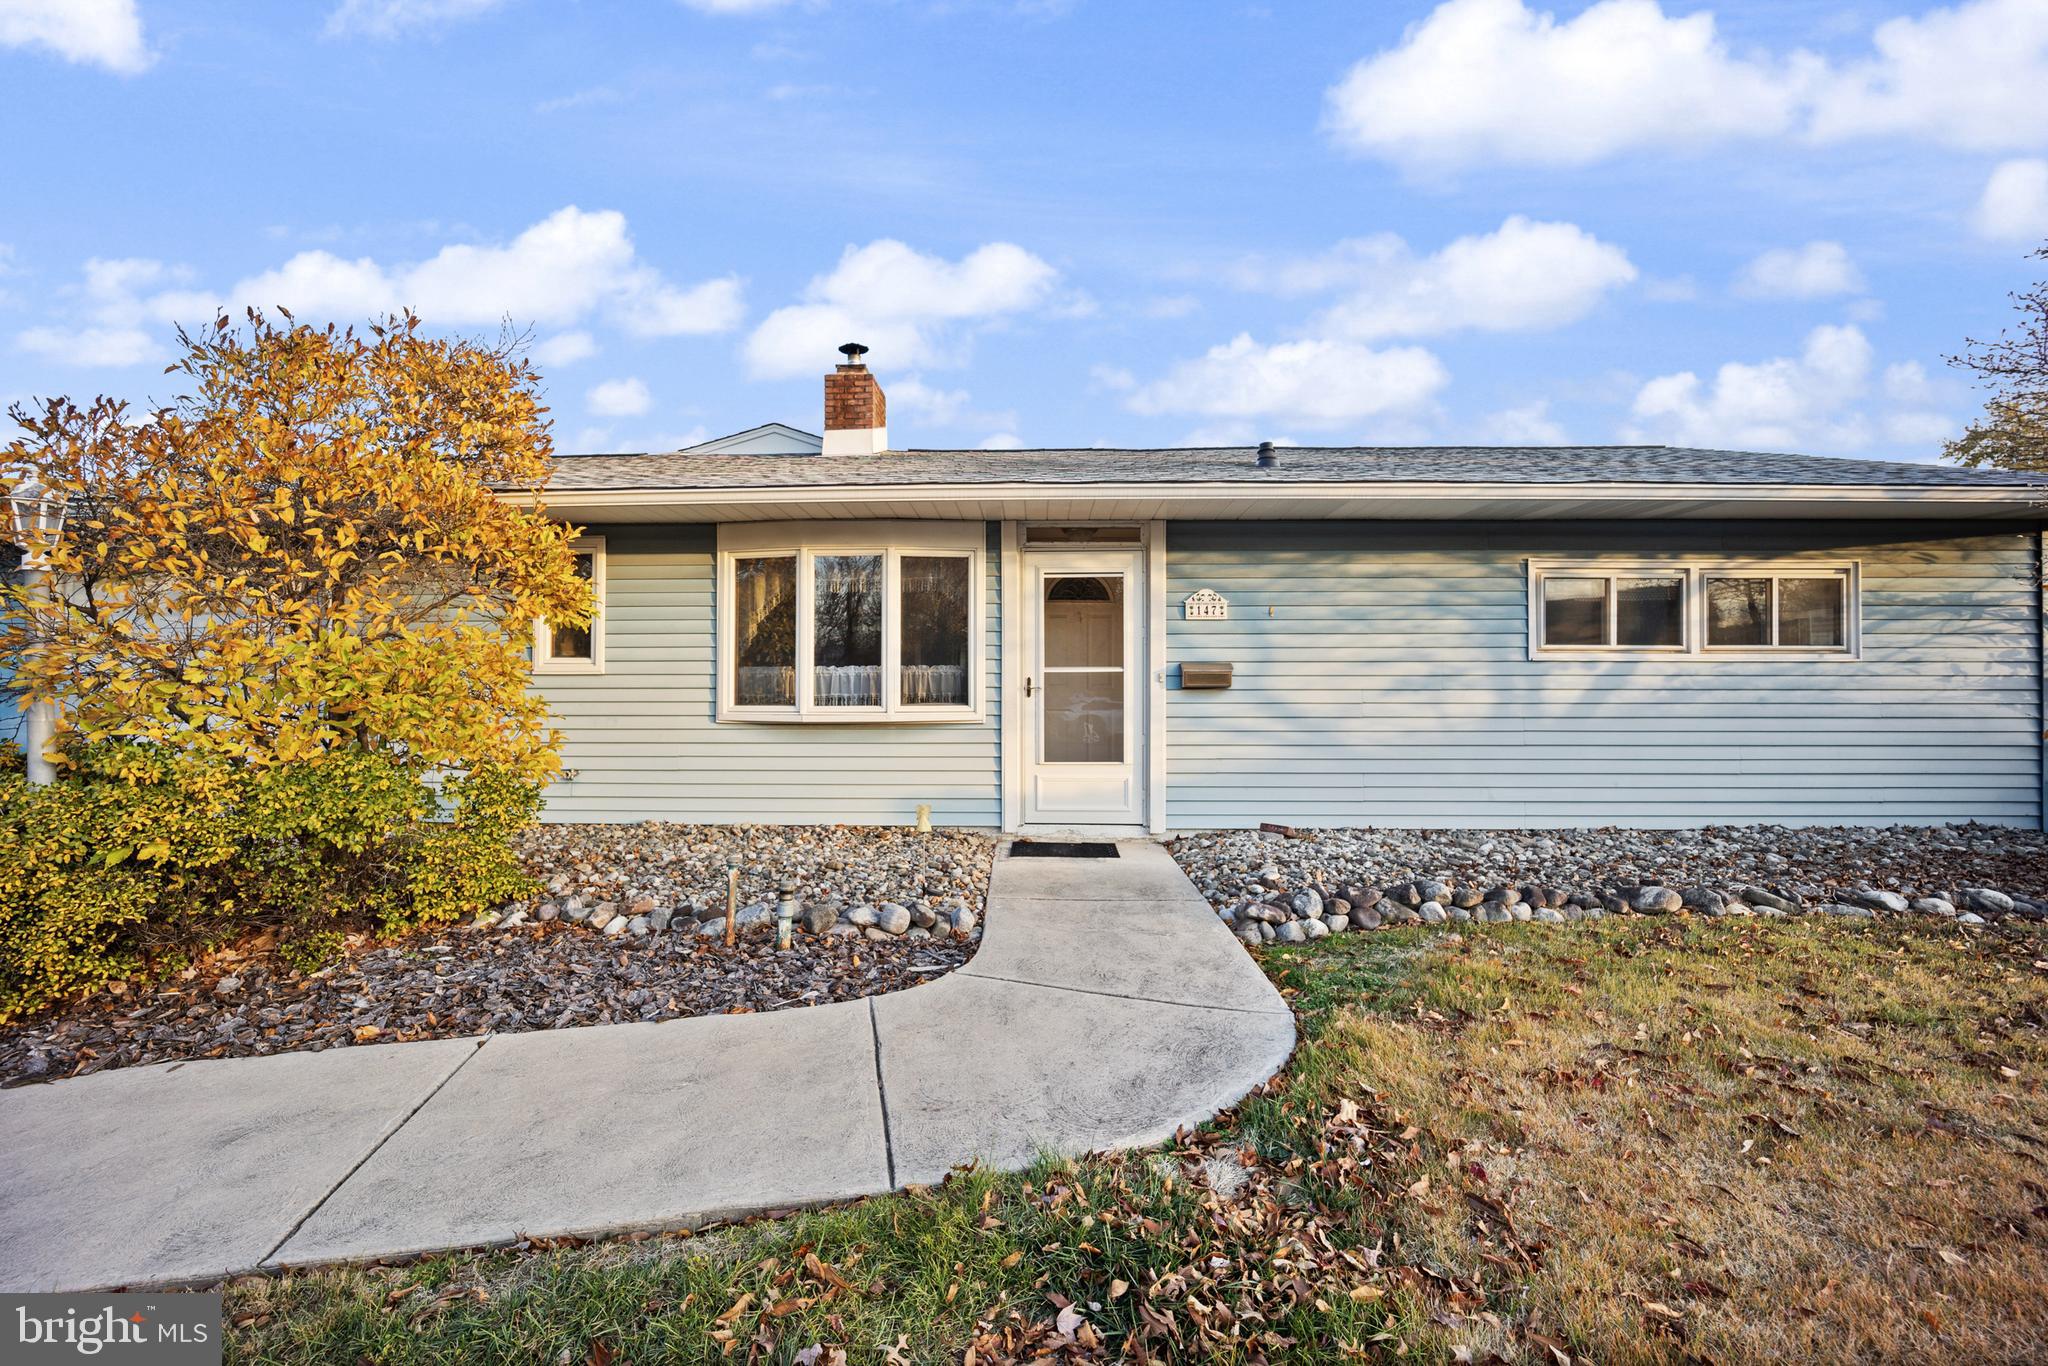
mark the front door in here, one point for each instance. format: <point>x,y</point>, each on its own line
<point>1083,688</point>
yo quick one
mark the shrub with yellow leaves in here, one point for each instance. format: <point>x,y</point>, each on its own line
<point>284,630</point>
<point>143,852</point>
<point>306,552</point>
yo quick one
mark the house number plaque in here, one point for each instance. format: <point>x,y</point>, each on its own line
<point>1206,604</point>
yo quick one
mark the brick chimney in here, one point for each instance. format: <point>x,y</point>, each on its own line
<point>856,413</point>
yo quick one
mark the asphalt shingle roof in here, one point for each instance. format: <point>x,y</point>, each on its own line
<point>1535,465</point>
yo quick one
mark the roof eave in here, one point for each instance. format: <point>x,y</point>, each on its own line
<point>1301,500</point>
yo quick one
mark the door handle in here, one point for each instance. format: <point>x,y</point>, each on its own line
<point>1027,685</point>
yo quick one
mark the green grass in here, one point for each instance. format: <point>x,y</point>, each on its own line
<point>1630,1139</point>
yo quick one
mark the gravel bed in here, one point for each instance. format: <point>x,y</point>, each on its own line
<point>1299,885</point>
<point>630,929</point>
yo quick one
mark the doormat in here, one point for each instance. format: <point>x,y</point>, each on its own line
<point>1060,849</point>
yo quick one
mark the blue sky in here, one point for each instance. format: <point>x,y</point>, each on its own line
<point>1060,222</point>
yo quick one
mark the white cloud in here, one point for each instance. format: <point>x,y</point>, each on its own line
<point>112,311</point>
<point>1238,432</point>
<point>1481,81</point>
<point>733,6</point>
<point>565,268</point>
<point>1491,80</point>
<point>1783,404</point>
<point>565,348</point>
<point>568,269</point>
<point>1670,289</point>
<point>1817,400</point>
<point>104,33</point>
<point>1525,275</point>
<point>917,402</point>
<point>391,18</point>
<point>1002,441</point>
<point>619,398</point>
<point>649,308</point>
<point>2014,206</point>
<point>1168,306</point>
<point>1906,382</point>
<point>1317,383</point>
<point>1967,76</point>
<point>1924,430</point>
<point>910,396</point>
<point>1528,425</point>
<point>1814,271</point>
<point>911,308</point>
<point>111,346</point>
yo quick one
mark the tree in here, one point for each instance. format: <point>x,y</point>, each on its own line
<point>2013,432</point>
<point>305,553</point>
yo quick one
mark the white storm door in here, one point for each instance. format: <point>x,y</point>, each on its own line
<point>1082,672</point>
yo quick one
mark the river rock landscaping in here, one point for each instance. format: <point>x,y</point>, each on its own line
<point>1292,886</point>
<point>630,926</point>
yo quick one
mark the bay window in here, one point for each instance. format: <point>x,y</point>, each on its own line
<point>935,606</point>
<point>764,653</point>
<point>1701,608</point>
<point>861,622</point>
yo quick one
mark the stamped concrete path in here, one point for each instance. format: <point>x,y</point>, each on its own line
<point>1106,1007</point>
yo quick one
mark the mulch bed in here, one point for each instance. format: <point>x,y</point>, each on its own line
<point>455,982</point>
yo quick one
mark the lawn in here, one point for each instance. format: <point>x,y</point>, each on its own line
<point>1630,1140</point>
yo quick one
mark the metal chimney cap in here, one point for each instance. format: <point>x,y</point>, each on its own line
<point>1267,460</point>
<point>853,351</point>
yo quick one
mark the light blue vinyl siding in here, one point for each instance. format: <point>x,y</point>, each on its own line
<point>1383,678</point>
<point>642,744</point>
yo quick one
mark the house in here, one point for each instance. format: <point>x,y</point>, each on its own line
<point>1174,639</point>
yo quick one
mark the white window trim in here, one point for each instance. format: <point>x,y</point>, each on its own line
<point>1694,574</point>
<point>546,663</point>
<point>892,541</point>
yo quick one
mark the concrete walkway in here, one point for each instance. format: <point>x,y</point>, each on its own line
<point>1107,1006</point>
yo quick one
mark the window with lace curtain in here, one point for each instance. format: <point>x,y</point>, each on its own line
<point>847,624</point>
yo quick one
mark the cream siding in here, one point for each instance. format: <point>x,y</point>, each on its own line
<point>1383,678</point>
<point>642,744</point>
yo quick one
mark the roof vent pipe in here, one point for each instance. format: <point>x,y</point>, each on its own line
<point>1267,460</point>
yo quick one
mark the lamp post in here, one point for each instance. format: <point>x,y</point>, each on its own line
<point>36,519</point>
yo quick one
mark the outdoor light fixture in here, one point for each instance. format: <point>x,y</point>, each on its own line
<point>35,514</point>
<point>785,913</point>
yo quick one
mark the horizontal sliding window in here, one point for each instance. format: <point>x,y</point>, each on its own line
<point>845,632</point>
<point>1586,611</point>
<point>1763,612</point>
<point>1692,609</point>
